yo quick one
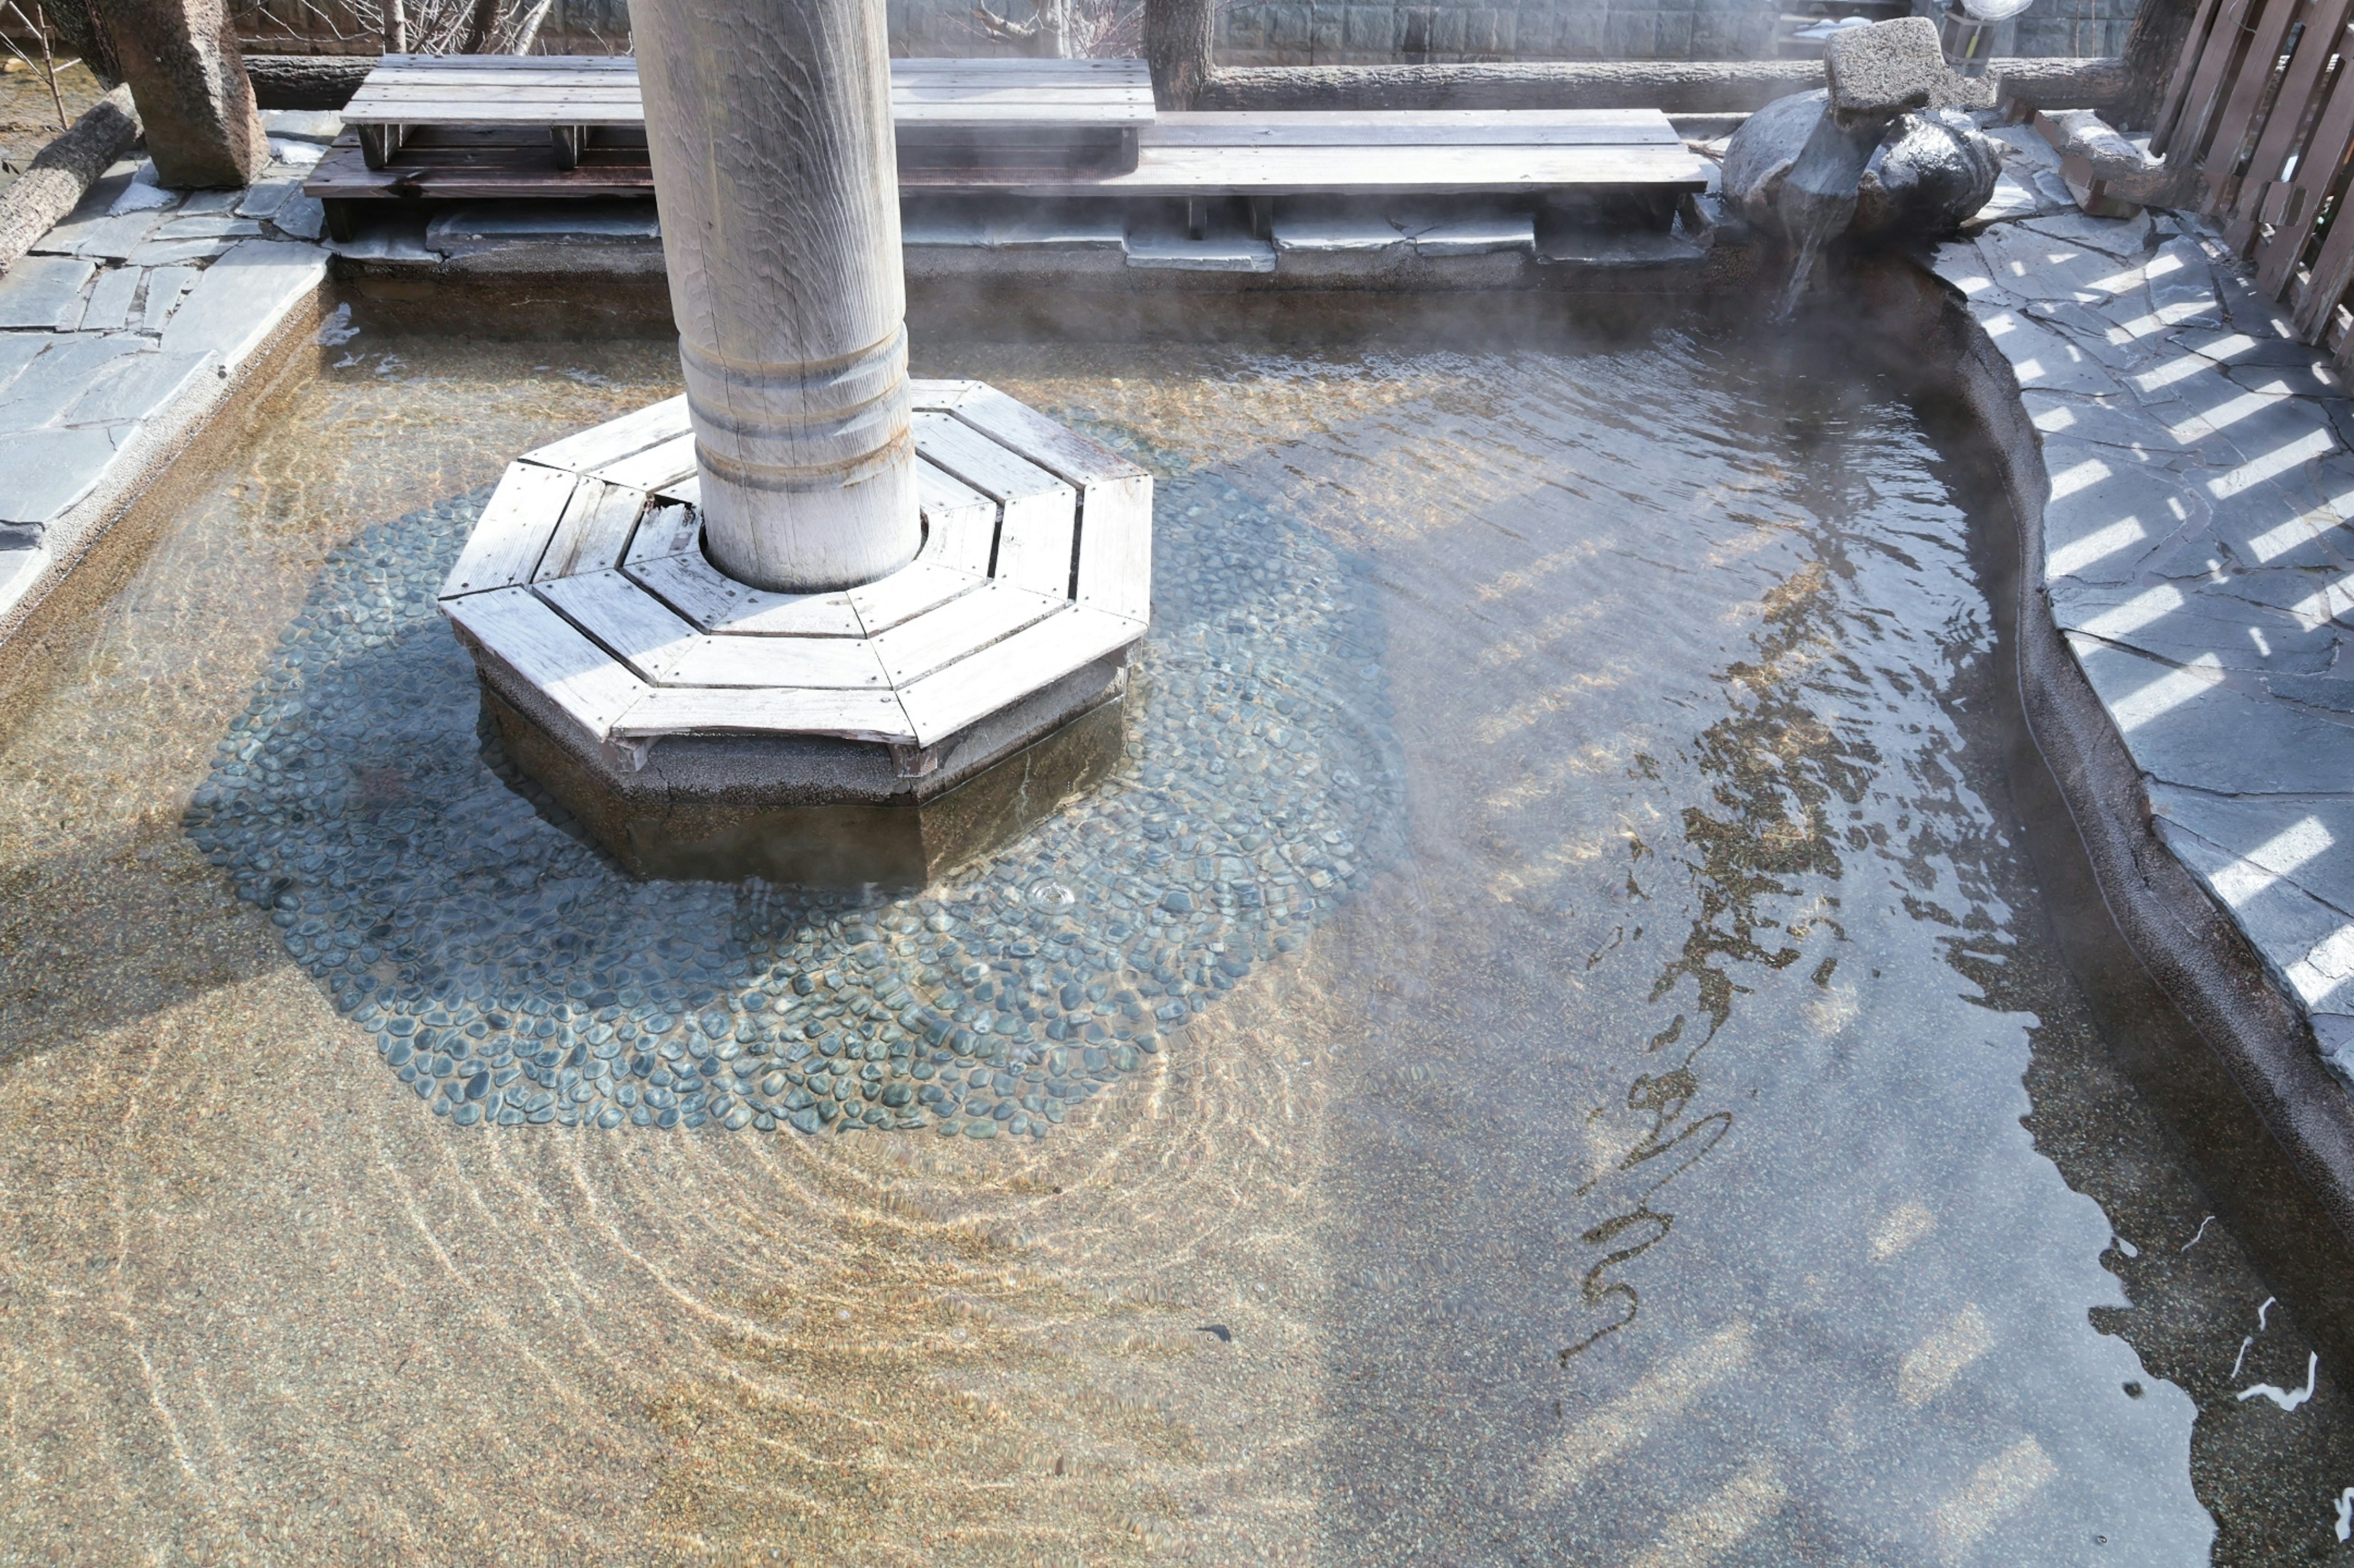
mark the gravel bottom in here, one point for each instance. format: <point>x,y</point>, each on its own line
<point>512,975</point>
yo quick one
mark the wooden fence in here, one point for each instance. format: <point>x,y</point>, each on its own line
<point>2256,126</point>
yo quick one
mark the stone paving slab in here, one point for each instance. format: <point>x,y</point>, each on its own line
<point>126,317</point>
<point>38,291</point>
<point>2198,553</point>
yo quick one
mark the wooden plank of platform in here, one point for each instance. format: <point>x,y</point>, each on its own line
<point>690,584</point>
<point>960,521</point>
<point>942,396</point>
<point>657,467</point>
<point>638,628</point>
<point>1417,128</point>
<point>916,589</point>
<point>1115,514</point>
<point>664,530</point>
<point>595,531</point>
<point>720,710</point>
<point>1038,513</point>
<point>592,89</point>
<point>839,663</point>
<point>513,530</point>
<point>545,652</point>
<point>959,629</point>
<point>615,438</point>
<point>973,687</point>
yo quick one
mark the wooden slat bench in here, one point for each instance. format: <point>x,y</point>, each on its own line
<point>1199,160</point>
<point>952,112</point>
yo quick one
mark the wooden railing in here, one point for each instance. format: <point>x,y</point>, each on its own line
<point>2256,125</point>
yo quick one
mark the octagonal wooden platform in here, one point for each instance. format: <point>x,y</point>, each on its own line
<point>586,578</point>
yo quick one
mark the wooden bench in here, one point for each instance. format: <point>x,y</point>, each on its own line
<point>1021,113</point>
<point>474,128</point>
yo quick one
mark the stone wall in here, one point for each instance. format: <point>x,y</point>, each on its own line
<point>1299,32</point>
<point>1384,32</point>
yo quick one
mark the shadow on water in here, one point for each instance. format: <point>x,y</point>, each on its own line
<point>1759,862</point>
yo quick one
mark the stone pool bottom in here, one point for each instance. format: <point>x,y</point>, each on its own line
<point>1681,1146</point>
<point>510,974</point>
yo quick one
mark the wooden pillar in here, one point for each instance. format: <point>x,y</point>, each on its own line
<point>769,127</point>
<point>181,59</point>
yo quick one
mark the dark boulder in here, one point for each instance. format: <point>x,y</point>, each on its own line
<point>1930,171</point>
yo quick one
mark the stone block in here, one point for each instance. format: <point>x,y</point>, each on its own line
<point>242,298</point>
<point>2183,285</point>
<point>209,225</point>
<point>2127,239</point>
<point>301,217</point>
<point>49,385</point>
<point>693,812</point>
<point>460,228</point>
<point>143,194</point>
<point>2035,266</point>
<point>48,471</point>
<point>2042,358</point>
<point>268,197</point>
<point>43,291</point>
<point>1467,231</point>
<point>165,285</point>
<point>2185,625</point>
<point>102,236</point>
<point>1367,234</point>
<point>18,350</point>
<point>1879,71</point>
<point>22,565</point>
<point>2112,422</point>
<point>2187,724</point>
<point>2110,511</point>
<point>173,252</point>
<point>111,298</point>
<point>136,387</point>
<point>1176,253</point>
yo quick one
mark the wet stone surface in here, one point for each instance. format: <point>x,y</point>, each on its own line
<point>510,975</point>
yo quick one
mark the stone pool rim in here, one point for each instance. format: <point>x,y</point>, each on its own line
<point>2203,965</point>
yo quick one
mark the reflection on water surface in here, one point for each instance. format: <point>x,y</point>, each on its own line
<point>1653,1162</point>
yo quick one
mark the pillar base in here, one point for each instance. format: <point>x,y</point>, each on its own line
<point>704,730</point>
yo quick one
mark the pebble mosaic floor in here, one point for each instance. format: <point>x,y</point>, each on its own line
<point>510,974</point>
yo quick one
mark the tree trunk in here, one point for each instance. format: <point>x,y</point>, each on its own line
<point>776,176</point>
<point>60,172</point>
<point>85,38</point>
<point>480,23</point>
<point>2153,48</point>
<point>1179,38</point>
<point>181,59</point>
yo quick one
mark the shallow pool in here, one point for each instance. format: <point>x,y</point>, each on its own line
<point>1655,1129</point>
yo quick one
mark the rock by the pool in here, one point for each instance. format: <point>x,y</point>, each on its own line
<point>1884,70</point>
<point>1931,172</point>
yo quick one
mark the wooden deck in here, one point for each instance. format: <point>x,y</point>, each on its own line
<point>586,578</point>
